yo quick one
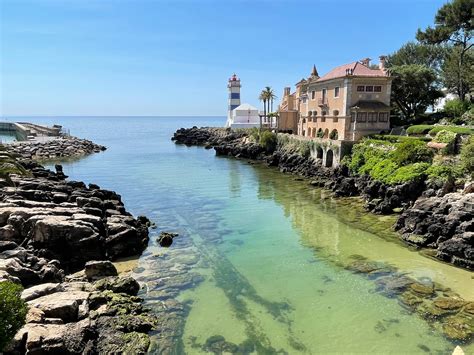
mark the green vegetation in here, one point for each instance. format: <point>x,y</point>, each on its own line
<point>293,145</point>
<point>414,89</point>
<point>454,29</point>
<point>12,311</point>
<point>397,139</point>
<point>467,157</point>
<point>433,130</point>
<point>442,58</point>
<point>455,108</point>
<point>448,137</point>
<point>268,140</point>
<point>455,129</point>
<point>390,163</point>
<point>411,159</point>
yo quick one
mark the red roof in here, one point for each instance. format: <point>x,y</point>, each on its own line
<point>358,69</point>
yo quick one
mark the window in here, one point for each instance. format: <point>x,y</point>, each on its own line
<point>313,95</point>
<point>377,88</point>
<point>336,91</point>
<point>383,117</point>
<point>361,88</point>
<point>353,116</point>
<point>335,113</point>
<point>315,113</point>
<point>369,88</point>
<point>324,94</point>
<point>372,116</point>
<point>361,116</point>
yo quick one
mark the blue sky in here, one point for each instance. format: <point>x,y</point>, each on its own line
<point>155,57</point>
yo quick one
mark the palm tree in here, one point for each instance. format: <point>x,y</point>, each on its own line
<point>263,97</point>
<point>270,95</point>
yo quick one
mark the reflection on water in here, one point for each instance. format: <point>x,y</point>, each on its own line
<point>260,262</point>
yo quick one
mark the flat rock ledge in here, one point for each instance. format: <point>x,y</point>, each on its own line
<point>57,238</point>
<point>60,147</point>
<point>443,222</point>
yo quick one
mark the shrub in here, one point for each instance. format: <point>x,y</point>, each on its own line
<point>455,108</point>
<point>12,311</point>
<point>448,137</point>
<point>468,117</point>
<point>333,134</point>
<point>442,172</point>
<point>455,129</point>
<point>467,157</point>
<point>411,172</point>
<point>254,134</point>
<point>398,139</point>
<point>320,133</point>
<point>419,129</point>
<point>268,140</point>
<point>383,169</point>
<point>412,151</point>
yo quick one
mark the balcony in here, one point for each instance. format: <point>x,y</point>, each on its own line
<point>323,102</point>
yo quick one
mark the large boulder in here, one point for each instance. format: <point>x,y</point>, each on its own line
<point>63,305</point>
<point>98,269</point>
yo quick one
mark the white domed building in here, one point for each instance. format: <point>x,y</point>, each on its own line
<point>240,115</point>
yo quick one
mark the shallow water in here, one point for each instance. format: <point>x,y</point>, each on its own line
<point>267,253</point>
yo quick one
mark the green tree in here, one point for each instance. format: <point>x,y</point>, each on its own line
<point>457,76</point>
<point>431,56</point>
<point>12,311</point>
<point>414,88</point>
<point>453,25</point>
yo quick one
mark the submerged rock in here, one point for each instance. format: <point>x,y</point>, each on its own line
<point>165,239</point>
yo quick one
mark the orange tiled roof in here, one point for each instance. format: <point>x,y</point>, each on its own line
<point>358,69</point>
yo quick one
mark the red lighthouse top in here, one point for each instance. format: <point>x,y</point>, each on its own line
<point>233,78</point>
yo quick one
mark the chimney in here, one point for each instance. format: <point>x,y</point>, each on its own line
<point>286,91</point>
<point>365,61</point>
<point>382,59</point>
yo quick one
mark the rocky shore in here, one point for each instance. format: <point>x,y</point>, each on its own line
<point>57,240</point>
<point>415,200</point>
<point>58,147</point>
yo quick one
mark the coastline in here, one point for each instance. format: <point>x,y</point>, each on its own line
<point>57,240</point>
<point>422,211</point>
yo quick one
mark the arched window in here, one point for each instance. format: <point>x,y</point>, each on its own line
<point>333,135</point>
<point>320,133</point>
<point>335,113</point>
<point>314,133</point>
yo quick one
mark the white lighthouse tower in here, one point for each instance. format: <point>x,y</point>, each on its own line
<point>234,97</point>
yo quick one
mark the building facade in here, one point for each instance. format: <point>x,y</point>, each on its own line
<point>346,104</point>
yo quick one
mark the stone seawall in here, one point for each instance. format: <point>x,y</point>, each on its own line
<point>454,244</point>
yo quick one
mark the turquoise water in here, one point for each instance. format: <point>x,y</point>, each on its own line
<point>267,253</point>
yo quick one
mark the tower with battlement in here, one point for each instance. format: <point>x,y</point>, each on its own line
<point>233,86</point>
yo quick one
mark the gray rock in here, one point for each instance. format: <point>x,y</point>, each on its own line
<point>98,269</point>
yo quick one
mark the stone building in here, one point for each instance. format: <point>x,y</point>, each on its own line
<point>344,105</point>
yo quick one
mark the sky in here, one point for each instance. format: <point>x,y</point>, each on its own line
<point>157,57</point>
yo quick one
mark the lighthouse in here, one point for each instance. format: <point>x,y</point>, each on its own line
<point>233,87</point>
